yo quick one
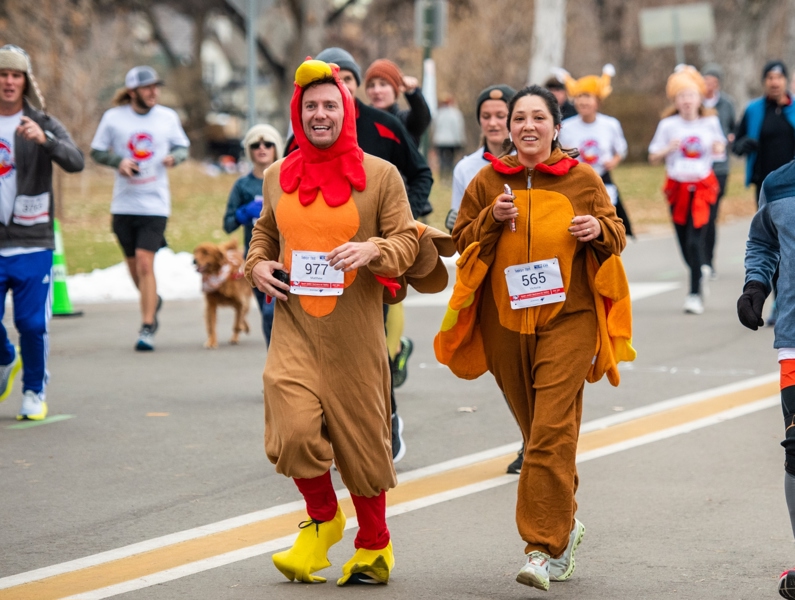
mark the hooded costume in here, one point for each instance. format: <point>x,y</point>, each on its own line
<point>326,378</point>
<point>541,355</point>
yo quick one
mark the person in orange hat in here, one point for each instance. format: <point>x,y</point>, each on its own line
<point>384,82</point>
<point>688,139</point>
<point>598,137</point>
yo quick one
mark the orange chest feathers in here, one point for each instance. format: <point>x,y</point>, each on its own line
<point>316,228</point>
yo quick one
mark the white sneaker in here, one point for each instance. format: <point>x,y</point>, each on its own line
<point>33,407</point>
<point>7,374</point>
<point>561,569</point>
<point>536,572</point>
<point>693,304</point>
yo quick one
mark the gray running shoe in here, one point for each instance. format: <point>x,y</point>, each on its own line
<point>536,572</point>
<point>561,569</point>
<point>146,339</point>
<point>8,373</point>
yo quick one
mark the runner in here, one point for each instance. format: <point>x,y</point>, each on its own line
<point>336,219</point>
<point>598,138</point>
<point>383,83</point>
<point>141,139</point>
<point>540,354</point>
<point>263,146</point>
<point>31,140</point>
<point>688,139</point>
<point>770,243</point>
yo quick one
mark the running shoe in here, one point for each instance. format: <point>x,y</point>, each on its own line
<point>33,408</point>
<point>146,339</point>
<point>399,366</point>
<point>398,445</point>
<point>8,373</point>
<point>516,466</point>
<point>786,584</point>
<point>155,325</point>
<point>536,572</point>
<point>561,569</point>
<point>694,305</point>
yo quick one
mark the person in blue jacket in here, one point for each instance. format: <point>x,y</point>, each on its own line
<point>771,243</point>
<point>766,133</point>
<point>263,146</point>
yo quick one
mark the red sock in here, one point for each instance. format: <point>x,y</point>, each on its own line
<point>321,500</point>
<point>371,514</point>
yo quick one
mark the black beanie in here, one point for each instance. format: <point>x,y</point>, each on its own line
<point>343,59</point>
<point>494,92</point>
<point>774,65</point>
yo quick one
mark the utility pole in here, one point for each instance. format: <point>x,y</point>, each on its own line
<point>252,12</point>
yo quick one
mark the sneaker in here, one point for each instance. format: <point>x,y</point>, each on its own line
<point>146,339</point>
<point>693,304</point>
<point>398,445</point>
<point>157,310</point>
<point>33,406</point>
<point>561,569</point>
<point>8,373</point>
<point>786,584</point>
<point>516,466</point>
<point>536,572</point>
<point>399,366</point>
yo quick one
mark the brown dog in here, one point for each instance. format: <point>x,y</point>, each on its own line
<point>223,284</point>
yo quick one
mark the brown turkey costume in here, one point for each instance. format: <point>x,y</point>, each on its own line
<point>326,377</point>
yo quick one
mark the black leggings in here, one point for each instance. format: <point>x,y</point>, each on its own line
<point>709,243</point>
<point>691,242</point>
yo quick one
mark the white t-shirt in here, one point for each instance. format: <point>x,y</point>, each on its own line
<point>146,139</point>
<point>464,172</point>
<point>598,142</point>
<point>693,160</point>
<point>8,169</point>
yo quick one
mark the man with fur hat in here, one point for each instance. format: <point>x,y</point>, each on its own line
<point>383,83</point>
<point>141,139</point>
<point>336,222</point>
<point>30,141</point>
<point>262,146</point>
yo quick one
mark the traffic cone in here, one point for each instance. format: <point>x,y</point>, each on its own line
<point>61,305</point>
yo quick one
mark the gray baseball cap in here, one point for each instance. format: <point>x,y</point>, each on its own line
<point>141,76</point>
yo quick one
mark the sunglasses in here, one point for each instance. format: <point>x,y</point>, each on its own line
<point>255,145</point>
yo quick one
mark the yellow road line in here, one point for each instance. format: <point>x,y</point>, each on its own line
<point>182,553</point>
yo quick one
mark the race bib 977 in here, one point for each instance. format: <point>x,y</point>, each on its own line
<point>311,275</point>
<point>535,283</point>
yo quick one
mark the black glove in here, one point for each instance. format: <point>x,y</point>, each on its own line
<point>749,305</point>
<point>745,146</point>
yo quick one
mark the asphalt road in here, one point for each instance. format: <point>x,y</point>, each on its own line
<point>170,441</point>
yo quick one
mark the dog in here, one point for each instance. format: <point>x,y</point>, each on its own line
<point>223,284</point>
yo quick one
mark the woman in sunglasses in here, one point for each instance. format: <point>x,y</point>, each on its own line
<point>263,146</point>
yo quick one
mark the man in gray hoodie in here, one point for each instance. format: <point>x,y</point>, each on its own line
<point>771,242</point>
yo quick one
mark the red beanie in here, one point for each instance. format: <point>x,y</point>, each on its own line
<point>386,70</point>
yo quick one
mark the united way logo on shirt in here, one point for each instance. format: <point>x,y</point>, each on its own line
<point>589,152</point>
<point>141,146</point>
<point>6,158</point>
<point>691,147</point>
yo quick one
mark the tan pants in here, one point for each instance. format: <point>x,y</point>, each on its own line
<point>543,377</point>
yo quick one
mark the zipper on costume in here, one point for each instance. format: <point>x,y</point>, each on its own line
<point>529,237</point>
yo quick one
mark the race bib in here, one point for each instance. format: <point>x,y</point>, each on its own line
<point>535,283</point>
<point>686,167</point>
<point>30,210</point>
<point>311,275</point>
<point>147,171</point>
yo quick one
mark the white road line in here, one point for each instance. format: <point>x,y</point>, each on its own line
<point>227,524</point>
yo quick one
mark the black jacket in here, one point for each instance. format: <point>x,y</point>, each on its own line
<point>416,118</point>
<point>34,177</point>
<point>384,136</point>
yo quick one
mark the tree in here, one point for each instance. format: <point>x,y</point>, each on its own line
<point>549,39</point>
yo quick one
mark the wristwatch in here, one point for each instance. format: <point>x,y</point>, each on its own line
<point>51,139</point>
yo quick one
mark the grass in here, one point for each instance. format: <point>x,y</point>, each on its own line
<point>199,203</point>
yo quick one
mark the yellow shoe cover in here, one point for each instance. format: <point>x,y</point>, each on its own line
<point>309,551</point>
<point>374,564</point>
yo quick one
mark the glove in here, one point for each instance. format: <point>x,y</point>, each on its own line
<point>745,146</point>
<point>248,213</point>
<point>749,306</point>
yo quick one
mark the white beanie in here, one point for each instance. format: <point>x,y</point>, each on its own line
<point>264,132</point>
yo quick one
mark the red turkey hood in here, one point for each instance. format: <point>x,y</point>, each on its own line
<point>558,163</point>
<point>333,170</point>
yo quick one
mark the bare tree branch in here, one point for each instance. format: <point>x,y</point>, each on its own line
<point>338,12</point>
<point>239,21</point>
